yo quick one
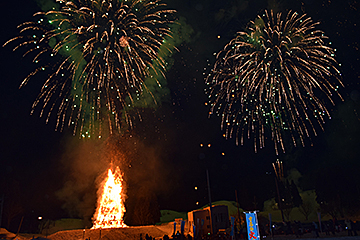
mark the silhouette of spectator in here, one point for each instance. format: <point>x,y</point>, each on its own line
<point>336,225</point>
<point>348,226</point>
<point>354,227</point>
<point>315,230</point>
<point>147,237</point>
<point>298,229</point>
<point>326,228</point>
<point>331,226</point>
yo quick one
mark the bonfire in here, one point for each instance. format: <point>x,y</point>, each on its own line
<point>110,208</point>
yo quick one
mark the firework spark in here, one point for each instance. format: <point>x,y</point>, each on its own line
<point>98,55</point>
<point>277,75</point>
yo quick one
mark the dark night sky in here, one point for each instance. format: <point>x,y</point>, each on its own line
<point>37,162</point>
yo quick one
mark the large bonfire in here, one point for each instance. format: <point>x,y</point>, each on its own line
<point>110,209</point>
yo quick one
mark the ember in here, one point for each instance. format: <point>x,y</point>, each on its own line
<point>110,209</point>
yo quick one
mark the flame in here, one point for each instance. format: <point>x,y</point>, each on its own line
<point>110,209</point>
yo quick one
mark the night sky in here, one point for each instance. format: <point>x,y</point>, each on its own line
<point>54,174</point>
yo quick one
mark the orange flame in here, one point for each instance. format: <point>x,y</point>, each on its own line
<point>110,209</point>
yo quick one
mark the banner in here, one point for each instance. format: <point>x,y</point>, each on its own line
<point>270,224</point>
<point>252,226</point>
<point>182,226</point>
<point>232,227</point>
<point>319,219</point>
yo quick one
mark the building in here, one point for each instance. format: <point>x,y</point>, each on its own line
<point>208,221</point>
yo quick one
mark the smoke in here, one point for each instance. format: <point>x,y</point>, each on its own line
<point>85,165</point>
<point>294,175</point>
<point>231,11</point>
<point>147,180</point>
<point>143,164</point>
<point>155,86</point>
<point>47,5</point>
<point>275,5</point>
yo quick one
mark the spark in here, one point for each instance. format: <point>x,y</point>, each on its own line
<point>98,55</point>
<point>278,76</point>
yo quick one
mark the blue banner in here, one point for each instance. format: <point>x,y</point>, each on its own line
<point>182,226</point>
<point>252,226</point>
<point>232,226</point>
<point>270,224</point>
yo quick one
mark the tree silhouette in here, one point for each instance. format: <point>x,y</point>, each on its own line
<point>144,209</point>
<point>289,197</point>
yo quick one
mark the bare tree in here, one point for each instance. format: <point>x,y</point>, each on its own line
<point>306,208</point>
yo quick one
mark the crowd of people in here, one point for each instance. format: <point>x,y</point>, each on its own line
<point>177,236</point>
<point>295,228</point>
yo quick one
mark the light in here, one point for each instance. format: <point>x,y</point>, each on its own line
<point>195,188</point>
<point>110,209</point>
<point>40,217</point>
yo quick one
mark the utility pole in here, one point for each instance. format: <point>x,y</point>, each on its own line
<point>1,207</point>
<point>279,199</point>
<point>210,204</point>
<point>238,208</point>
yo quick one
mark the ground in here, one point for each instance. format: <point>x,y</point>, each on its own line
<point>129,233</point>
<point>133,233</point>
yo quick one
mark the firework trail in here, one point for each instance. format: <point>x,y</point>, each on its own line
<point>277,75</point>
<point>98,55</point>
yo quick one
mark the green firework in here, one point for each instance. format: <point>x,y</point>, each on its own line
<point>98,55</point>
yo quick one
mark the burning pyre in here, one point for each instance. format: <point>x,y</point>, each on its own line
<point>110,209</point>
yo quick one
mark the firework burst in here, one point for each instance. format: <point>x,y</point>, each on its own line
<point>278,76</point>
<point>98,55</point>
